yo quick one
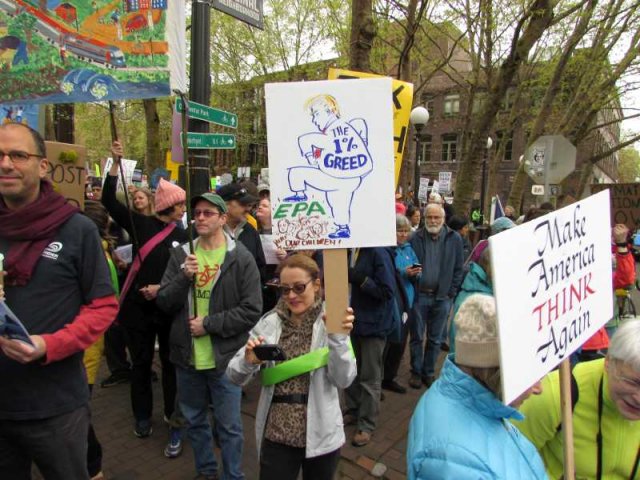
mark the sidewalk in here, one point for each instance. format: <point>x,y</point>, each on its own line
<point>129,458</point>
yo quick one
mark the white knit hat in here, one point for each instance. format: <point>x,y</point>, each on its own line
<point>477,332</point>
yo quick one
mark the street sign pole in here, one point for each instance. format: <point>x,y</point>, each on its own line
<point>547,162</point>
<point>200,89</point>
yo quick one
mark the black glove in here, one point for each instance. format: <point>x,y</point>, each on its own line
<point>356,277</point>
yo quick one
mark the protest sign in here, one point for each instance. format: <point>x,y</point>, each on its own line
<point>444,181</point>
<point>67,170</point>
<point>331,163</point>
<point>331,166</point>
<point>552,282</point>
<point>402,98</point>
<point>127,165</point>
<point>423,191</point>
<point>625,202</point>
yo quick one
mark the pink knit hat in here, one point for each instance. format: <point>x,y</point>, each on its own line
<point>167,195</point>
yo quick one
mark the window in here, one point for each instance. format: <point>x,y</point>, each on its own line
<point>479,99</point>
<point>426,148</point>
<point>428,104</point>
<point>507,101</point>
<point>508,148</point>
<point>449,147</point>
<point>451,105</point>
<point>427,101</point>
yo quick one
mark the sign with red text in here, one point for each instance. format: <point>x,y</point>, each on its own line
<point>552,282</point>
<point>331,163</point>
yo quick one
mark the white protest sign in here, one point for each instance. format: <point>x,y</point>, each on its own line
<point>553,286</point>
<point>331,163</point>
<point>423,192</point>
<point>444,180</point>
<point>127,165</point>
<point>269,249</point>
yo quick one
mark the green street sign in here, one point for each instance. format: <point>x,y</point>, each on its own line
<point>215,141</point>
<point>209,114</point>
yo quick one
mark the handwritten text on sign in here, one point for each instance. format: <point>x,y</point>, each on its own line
<point>552,278</point>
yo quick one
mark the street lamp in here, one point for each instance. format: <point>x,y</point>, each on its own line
<point>419,117</point>
<point>483,184</point>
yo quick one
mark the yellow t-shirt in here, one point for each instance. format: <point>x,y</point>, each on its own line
<point>209,263</point>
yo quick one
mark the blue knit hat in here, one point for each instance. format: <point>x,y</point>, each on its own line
<point>501,224</point>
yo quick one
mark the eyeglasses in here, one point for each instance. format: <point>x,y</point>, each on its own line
<point>18,156</point>
<point>298,288</point>
<point>205,213</point>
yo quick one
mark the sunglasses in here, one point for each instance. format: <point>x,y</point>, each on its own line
<point>204,213</point>
<point>297,288</point>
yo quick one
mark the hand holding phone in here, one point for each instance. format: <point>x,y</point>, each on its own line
<point>269,352</point>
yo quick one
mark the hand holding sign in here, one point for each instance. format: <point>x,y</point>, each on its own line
<point>117,152</point>
<point>620,233</point>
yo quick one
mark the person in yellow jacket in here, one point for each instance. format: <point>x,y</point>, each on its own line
<point>606,415</point>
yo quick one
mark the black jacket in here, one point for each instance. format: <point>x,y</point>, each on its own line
<point>250,238</point>
<point>235,305</point>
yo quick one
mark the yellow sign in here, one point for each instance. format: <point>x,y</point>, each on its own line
<point>402,97</point>
<point>171,166</point>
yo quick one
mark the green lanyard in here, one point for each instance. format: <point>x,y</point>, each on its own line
<point>297,366</point>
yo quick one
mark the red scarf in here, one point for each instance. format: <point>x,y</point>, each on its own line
<point>30,230</point>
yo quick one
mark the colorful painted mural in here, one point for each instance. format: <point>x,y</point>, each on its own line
<point>54,51</point>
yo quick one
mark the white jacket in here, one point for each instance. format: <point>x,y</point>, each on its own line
<point>325,430</point>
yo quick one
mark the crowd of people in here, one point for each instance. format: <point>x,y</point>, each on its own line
<point>220,312</point>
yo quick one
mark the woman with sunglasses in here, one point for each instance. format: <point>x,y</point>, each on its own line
<point>298,419</point>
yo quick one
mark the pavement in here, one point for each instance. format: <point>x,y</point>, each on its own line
<point>126,457</point>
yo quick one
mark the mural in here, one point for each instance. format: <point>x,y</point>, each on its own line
<point>54,51</point>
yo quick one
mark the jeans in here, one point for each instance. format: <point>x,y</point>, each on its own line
<point>282,462</point>
<point>433,316</point>
<point>57,445</point>
<point>196,390</point>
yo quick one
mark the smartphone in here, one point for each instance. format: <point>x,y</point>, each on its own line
<point>416,265</point>
<point>269,352</point>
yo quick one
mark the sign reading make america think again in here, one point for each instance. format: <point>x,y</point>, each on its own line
<point>552,282</point>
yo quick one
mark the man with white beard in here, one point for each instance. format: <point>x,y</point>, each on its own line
<point>440,252</point>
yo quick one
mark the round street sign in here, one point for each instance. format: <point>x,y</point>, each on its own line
<point>555,149</point>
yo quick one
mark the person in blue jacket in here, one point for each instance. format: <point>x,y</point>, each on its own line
<point>372,279</point>
<point>460,429</point>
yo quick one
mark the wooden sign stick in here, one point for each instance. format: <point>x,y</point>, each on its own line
<point>336,287</point>
<point>567,419</point>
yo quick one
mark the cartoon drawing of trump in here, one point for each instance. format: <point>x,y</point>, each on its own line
<point>338,160</point>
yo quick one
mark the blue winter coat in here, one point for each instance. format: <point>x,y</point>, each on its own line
<point>373,300</point>
<point>460,430</point>
<point>406,257</point>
